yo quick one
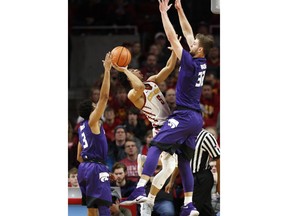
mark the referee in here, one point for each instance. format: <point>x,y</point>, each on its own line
<point>206,149</point>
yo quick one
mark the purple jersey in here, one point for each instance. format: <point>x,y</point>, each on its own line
<point>94,146</point>
<point>190,81</point>
<point>93,175</point>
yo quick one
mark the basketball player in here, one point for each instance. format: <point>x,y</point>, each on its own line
<point>93,175</point>
<point>186,121</point>
<point>147,97</point>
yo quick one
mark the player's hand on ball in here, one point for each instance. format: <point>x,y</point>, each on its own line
<point>118,68</point>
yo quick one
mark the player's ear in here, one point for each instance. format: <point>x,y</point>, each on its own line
<point>200,49</point>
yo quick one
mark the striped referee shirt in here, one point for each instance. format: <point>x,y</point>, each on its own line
<point>206,149</point>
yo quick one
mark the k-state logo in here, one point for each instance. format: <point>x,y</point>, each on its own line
<point>103,176</point>
<point>172,123</point>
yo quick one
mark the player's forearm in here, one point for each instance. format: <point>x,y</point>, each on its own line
<point>105,88</point>
<point>136,83</point>
<point>185,25</point>
<point>168,27</point>
<point>167,70</point>
<point>171,61</point>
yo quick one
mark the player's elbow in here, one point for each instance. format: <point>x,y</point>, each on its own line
<point>139,87</point>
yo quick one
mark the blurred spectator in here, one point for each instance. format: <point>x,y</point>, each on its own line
<point>148,138</point>
<point>131,136</point>
<point>210,77</point>
<point>215,133</point>
<point>170,97</point>
<point>119,171</point>
<point>111,121</point>
<point>213,62</point>
<point>211,105</point>
<point>134,124</point>
<point>131,160</point>
<point>115,208</point>
<point>116,151</point>
<point>150,67</point>
<point>95,94</point>
<point>160,41</point>
<point>163,87</point>
<point>115,82</point>
<point>215,197</point>
<point>120,103</point>
<point>72,145</point>
<point>72,177</point>
<point>137,57</point>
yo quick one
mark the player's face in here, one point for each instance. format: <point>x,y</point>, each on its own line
<point>194,48</point>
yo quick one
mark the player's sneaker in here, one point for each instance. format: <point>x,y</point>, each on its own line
<point>140,161</point>
<point>136,197</point>
<point>189,210</point>
<point>146,208</point>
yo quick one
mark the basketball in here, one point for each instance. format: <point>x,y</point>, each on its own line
<point>121,56</point>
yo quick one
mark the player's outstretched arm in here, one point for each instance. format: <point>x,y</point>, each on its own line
<point>135,94</point>
<point>185,25</point>
<point>104,92</point>
<point>167,70</point>
<point>168,28</point>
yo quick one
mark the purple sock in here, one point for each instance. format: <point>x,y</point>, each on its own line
<point>186,174</point>
<point>151,161</point>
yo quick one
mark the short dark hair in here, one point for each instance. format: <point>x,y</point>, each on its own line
<point>205,41</point>
<point>85,108</point>
<point>119,127</point>
<point>119,165</point>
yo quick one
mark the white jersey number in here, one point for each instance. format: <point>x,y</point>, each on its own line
<point>200,80</point>
<point>84,140</point>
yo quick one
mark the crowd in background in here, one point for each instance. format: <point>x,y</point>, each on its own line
<point>128,132</point>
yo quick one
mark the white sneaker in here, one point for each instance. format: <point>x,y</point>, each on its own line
<point>146,208</point>
<point>140,161</point>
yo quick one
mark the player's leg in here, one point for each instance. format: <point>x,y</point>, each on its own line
<point>92,212</point>
<point>188,184</point>
<point>139,195</point>
<point>168,165</point>
<point>104,210</point>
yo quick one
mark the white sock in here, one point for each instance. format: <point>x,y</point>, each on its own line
<point>187,200</point>
<point>141,183</point>
<point>151,198</point>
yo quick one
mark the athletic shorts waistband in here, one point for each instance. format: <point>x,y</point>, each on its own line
<point>95,161</point>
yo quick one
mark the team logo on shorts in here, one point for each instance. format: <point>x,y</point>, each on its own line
<point>103,176</point>
<point>172,123</point>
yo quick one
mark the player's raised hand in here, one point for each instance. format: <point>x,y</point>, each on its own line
<point>178,4</point>
<point>107,62</point>
<point>163,6</point>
